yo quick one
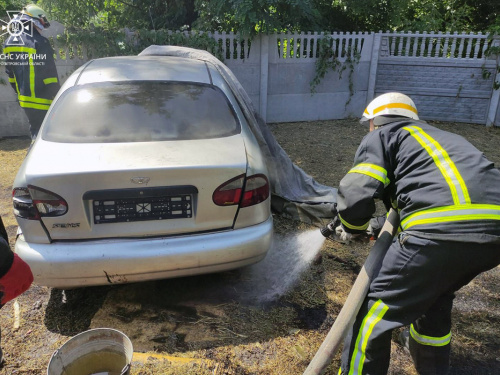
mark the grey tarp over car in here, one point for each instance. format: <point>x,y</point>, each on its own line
<point>295,194</point>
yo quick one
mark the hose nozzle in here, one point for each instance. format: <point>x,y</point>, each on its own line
<point>329,229</point>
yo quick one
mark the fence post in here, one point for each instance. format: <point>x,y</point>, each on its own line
<point>372,78</point>
<point>264,75</point>
<point>495,95</point>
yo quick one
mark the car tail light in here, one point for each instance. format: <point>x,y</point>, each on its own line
<point>34,203</point>
<point>256,190</point>
<point>231,192</point>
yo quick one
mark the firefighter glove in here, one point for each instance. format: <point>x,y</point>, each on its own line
<point>342,235</point>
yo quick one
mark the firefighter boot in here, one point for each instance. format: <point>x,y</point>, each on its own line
<point>429,360</point>
<point>404,340</point>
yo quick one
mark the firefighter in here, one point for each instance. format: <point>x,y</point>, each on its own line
<point>30,66</point>
<point>447,196</point>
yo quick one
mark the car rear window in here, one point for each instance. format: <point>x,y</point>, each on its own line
<point>140,112</point>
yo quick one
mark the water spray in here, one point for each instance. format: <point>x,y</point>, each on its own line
<point>290,255</point>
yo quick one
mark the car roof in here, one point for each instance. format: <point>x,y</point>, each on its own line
<point>144,68</point>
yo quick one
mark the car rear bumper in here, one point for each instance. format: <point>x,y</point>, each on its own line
<point>86,263</point>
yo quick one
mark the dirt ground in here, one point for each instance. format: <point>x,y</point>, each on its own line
<point>266,319</point>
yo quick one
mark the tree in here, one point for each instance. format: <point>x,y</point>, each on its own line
<point>249,17</point>
<point>6,5</point>
<point>10,5</point>
<point>134,14</point>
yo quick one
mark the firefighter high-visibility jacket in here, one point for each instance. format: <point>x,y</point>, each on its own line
<point>32,71</point>
<point>441,185</point>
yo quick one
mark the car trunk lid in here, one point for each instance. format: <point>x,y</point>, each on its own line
<point>140,189</point>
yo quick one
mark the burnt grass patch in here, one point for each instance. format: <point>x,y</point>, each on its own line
<point>217,317</point>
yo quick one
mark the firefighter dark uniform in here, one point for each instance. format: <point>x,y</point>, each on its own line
<point>33,75</point>
<point>448,198</point>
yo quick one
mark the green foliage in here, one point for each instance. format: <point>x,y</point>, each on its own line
<point>74,13</point>
<point>493,51</point>
<point>94,44</point>
<point>326,61</point>
<point>109,14</point>
<point>10,5</point>
<point>249,17</point>
<point>373,15</point>
<point>100,43</point>
<point>485,73</point>
<point>446,15</point>
<point>329,60</point>
<point>415,15</point>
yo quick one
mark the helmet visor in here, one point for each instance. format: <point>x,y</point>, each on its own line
<point>364,120</point>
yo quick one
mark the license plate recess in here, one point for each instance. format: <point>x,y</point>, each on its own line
<point>129,205</point>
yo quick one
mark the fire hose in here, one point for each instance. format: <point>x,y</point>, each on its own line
<point>355,299</point>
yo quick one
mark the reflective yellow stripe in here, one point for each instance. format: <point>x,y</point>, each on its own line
<point>12,80</point>
<point>50,80</point>
<point>371,170</point>
<point>350,226</point>
<point>429,340</point>
<point>34,105</point>
<point>395,105</point>
<point>371,319</point>
<point>30,51</point>
<point>32,78</point>
<point>442,160</point>
<point>448,214</point>
<point>21,49</point>
<point>35,100</point>
<point>453,167</point>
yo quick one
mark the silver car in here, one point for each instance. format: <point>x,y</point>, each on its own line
<point>145,168</point>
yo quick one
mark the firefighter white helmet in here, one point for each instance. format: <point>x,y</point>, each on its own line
<point>36,14</point>
<point>390,104</point>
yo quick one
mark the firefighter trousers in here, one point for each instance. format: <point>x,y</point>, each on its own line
<point>415,286</point>
<point>35,118</point>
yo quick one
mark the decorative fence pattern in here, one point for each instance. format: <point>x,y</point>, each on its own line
<point>306,45</point>
<point>449,76</point>
<point>232,47</point>
<point>439,45</point>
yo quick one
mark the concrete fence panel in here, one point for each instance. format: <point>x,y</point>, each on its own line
<point>292,67</point>
<point>449,76</point>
